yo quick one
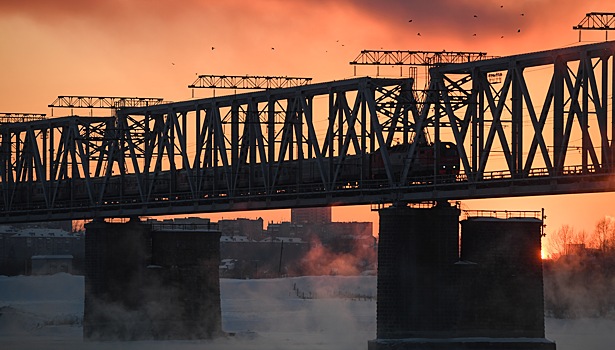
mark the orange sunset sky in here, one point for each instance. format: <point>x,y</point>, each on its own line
<point>155,48</point>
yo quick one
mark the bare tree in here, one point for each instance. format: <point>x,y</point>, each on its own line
<point>560,240</point>
<point>581,237</point>
<point>610,244</point>
<point>604,234</point>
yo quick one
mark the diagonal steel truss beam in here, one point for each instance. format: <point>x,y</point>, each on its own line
<point>509,120</point>
<point>41,160</point>
<point>597,21</point>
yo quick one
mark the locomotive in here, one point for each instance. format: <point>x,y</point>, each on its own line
<point>425,163</point>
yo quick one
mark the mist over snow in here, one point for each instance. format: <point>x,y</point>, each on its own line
<point>323,312</point>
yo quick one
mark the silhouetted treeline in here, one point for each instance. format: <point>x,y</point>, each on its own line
<point>581,284</point>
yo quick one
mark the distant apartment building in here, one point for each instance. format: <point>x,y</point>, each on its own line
<point>253,229</point>
<point>309,244</point>
<point>285,229</point>
<point>51,264</point>
<point>344,236</point>
<point>189,223</point>
<point>323,231</point>
<point>320,215</point>
<point>19,245</point>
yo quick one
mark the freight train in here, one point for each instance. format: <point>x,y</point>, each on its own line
<point>167,185</point>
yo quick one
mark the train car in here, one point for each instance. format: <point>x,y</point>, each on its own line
<point>291,176</point>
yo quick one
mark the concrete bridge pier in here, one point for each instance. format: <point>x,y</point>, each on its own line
<point>429,298</point>
<point>143,282</point>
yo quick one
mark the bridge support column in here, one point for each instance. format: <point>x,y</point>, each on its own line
<point>501,294</point>
<point>150,284</point>
<point>429,299</point>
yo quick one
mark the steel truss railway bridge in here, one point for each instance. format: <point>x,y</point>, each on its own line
<point>547,127</point>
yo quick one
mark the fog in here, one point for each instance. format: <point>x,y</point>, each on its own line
<point>325,312</point>
<point>294,313</point>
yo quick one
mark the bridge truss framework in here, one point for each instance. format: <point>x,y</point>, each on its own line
<point>548,128</point>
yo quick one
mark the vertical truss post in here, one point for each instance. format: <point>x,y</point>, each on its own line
<point>517,120</point>
<point>234,142</point>
<point>603,114</point>
<point>559,148</point>
<point>584,122</point>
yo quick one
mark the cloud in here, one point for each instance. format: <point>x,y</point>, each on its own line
<point>302,28</point>
<point>52,11</point>
<point>450,18</point>
<point>154,48</point>
<point>484,22</point>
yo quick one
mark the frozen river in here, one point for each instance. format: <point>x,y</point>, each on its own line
<point>327,312</point>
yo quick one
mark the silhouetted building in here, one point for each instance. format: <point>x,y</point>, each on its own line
<point>190,223</point>
<point>51,264</point>
<point>19,245</point>
<point>286,229</point>
<point>296,249</point>
<point>65,225</point>
<point>253,229</point>
<point>267,258</point>
<point>575,249</point>
<point>319,215</point>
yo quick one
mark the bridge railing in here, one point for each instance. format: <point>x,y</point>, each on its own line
<point>503,214</point>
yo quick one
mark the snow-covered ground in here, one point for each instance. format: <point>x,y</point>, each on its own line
<point>45,312</point>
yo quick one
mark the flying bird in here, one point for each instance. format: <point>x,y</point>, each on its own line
<point>212,47</point>
<point>518,30</point>
<point>523,14</point>
<point>409,21</point>
<point>475,16</point>
<point>419,34</point>
<point>474,34</point>
<point>273,48</point>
